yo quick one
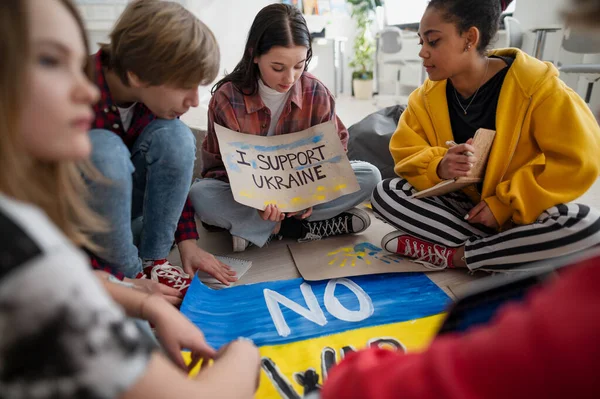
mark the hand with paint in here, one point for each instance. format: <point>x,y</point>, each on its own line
<point>360,252</point>
<point>272,213</point>
<point>175,332</point>
<point>458,161</point>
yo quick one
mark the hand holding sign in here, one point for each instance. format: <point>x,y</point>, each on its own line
<point>272,213</point>
<point>293,171</point>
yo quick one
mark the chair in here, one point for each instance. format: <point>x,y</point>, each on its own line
<point>390,42</point>
<point>581,43</point>
<point>514,32</point>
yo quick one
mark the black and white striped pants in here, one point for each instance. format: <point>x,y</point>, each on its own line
<point>560,230</point>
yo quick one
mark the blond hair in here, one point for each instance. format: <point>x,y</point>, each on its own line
<point>162,43</point>
<point>55,187</point>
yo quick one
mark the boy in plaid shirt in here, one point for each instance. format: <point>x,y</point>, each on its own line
<point>159,53</point>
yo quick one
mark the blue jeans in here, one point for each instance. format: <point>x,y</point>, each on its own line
<point>148,188</point>
<point>214,204</point>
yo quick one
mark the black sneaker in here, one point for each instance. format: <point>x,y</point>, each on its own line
<point>350,222</point>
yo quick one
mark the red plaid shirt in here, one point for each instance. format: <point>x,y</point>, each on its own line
<point>99,264</point>
<point>109,118</point>
<point>309,104</point>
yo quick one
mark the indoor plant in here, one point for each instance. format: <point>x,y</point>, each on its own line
<point>364,48</point>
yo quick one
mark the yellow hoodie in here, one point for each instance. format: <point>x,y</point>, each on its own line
<point>546,149</point>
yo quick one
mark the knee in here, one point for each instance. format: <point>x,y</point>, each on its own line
<point>110,155</point>
<point>383,189</point>
<point>196,197</point>
<point>378,188</point>
<point>368,175</point>
<point>592,215</point>
<point>174,141</point>
<point>204,193</point>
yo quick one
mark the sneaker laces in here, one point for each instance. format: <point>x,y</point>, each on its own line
<point>272,237</point>
<point>174,274</point>
<point>431,256</point>
<point>326,228</point>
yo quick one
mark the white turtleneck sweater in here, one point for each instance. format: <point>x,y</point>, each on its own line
<point>275,101</point>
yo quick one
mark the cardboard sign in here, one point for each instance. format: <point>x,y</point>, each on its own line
<point>304,328</point>
<point>293,171</point>
<point>350,255</point>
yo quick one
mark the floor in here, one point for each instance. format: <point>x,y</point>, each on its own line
<point>275,262</point>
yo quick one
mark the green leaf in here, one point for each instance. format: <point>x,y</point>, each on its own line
<point>364,46</point>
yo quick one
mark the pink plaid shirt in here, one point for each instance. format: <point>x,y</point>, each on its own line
<point>309,104</point>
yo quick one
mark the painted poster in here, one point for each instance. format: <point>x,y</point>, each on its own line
<point>294,171</point>
<point>304,328</point>
<point>348,255</point>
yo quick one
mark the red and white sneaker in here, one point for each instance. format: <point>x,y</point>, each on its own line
<point>430,255</point>
<point>164,272</point>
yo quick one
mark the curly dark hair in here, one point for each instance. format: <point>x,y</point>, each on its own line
<point>482,14</point>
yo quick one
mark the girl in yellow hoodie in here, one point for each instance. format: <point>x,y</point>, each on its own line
<point>545,153</point>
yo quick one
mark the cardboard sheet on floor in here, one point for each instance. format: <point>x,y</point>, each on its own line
<point>293,171</point>
<point>343,256</point>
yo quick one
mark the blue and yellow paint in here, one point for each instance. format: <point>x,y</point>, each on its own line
<point>361,253</point>
<point>406,312</point>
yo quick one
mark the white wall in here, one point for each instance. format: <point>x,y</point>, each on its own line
<point>404,12</point>
<point>230,21</point>
<point>99,17</point>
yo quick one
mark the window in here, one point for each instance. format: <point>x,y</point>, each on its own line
<point>400,12</point>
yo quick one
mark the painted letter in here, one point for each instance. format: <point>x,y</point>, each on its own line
<point>243,161</point>
<point>333,305</point>
<point>319,172</point>
<point>320,152</point>
<point>261,159</point>
<point>255,183</point>
<point>313,313</point>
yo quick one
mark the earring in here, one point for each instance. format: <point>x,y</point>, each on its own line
<point>467,48</point>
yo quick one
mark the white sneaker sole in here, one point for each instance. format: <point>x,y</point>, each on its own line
<point>239,244</point>
<point>363,216</point>
<point>389,242</point>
